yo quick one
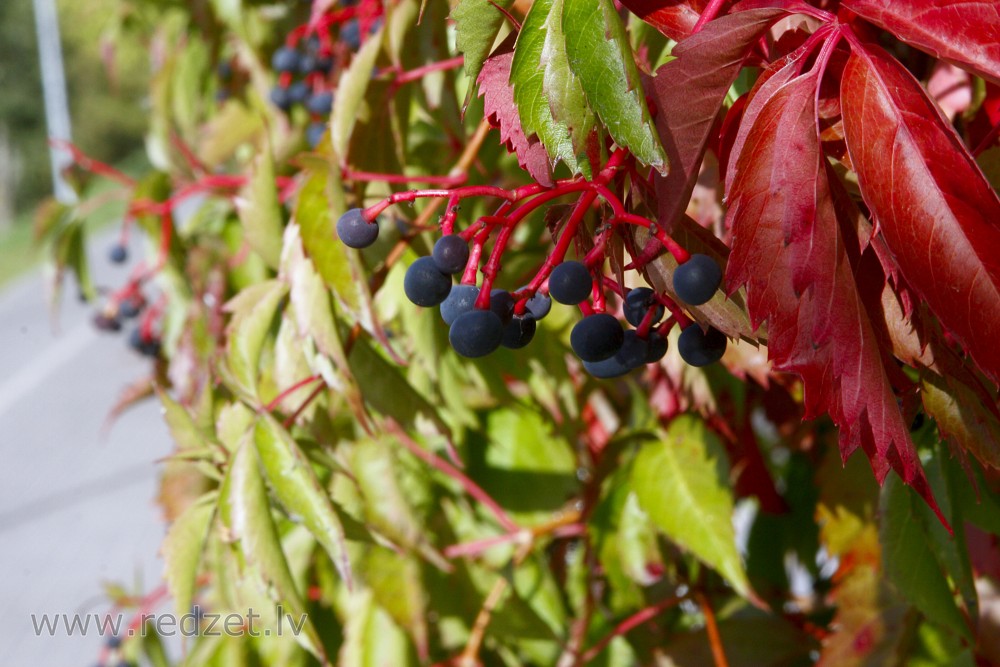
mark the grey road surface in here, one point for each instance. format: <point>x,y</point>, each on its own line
<point>77,505</point>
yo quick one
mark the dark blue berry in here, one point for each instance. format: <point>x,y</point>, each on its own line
<point>314,134</point>
<point>355,231</point>
<point>656,348</point>
<point>597,337</point>
<point>696,280</point>
<point>320,103</point>
<point>637,304</point>
<point>424,284</point>
<point>570,283</point>
<point>539,305</point>
<point>307,63</point>
<point>285,59</point>
<point>461,300</point>
<point>118,254</point>
<point>350,34</point>
<point>298,92</point>
<point>700,348</point>
<point>633,350</point>
<point>606,369</point>
<point>476,333</point>
<point>451,253</point>
<point>224,70</point>
<point>105,322</point>
<point>518,332</point>
<point>280,98</point>
<point>130,308</point>
<point>502,303</point>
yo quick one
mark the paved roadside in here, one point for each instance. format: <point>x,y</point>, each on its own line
<point>76,504</point>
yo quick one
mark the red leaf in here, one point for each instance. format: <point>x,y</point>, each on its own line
<point>673,18</point>
<point>966,34</point>
<point>499,107</point>
<point>689,93</point>
<point>938,215</point>
<point>790,252</point>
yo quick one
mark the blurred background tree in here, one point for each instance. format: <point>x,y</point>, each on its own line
<point>106,95</point>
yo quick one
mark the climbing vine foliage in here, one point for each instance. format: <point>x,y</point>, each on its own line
<point>568,332</point>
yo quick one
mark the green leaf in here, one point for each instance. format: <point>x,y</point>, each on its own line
<point>297,488</point>
<point>260,211</point>
<point>682,482</point>
<point>372,639</point>
<point>909,561</point>
<point>527,76</point>
<point>183,430</point>
<point>320,203</point>
<point>349,100</point>
<point>600,55</point>
<point>253,311</point>
<point>567,101</point>
<point>182,548</point>
<point>477,24</point>
<point>395,581</point>
<point>245,512</point>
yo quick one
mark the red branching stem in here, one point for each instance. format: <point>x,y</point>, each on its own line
<point>711,11</point>
<point>562,245</point>
<point>276,401</point>
<point>305,404</point>
<point>477,547</point>
<point>192,160</point>
<point>676,312</point>
<point>443,181</point>
<point>488,224</point>
<point>92,165</point>
<point>642,331</point>
<point>449,217</point>
<point>597,296</point>
<point>621,215</point>
<point>629,624</point>
<point>420,72</point>
<point>510,17</point>
<point>374,210</point>
<point>492,267</point>
<point>611,284</point>
<point>454,473</point>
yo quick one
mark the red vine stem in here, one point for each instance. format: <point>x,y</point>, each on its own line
<point>446,468</point>
<point>630,623</point>
<point>714,639</point>
<point>420,72</point>
<point>276,401</point>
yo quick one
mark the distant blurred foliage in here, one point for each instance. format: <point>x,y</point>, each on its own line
<point>108,113</point>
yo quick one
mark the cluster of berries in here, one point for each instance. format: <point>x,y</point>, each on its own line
<point>128,304</point>
<point>480,324</point>
<point>311,89</point>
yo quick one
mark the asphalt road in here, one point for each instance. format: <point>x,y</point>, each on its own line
<point>76,504</point>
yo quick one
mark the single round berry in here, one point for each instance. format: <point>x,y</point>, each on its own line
<point>224,70</point>
<point>355,231</point>
<point>597,337</point>
<point>607,368</point>
<point>307,63</point>
<point>637,303</point>
<point>350,34</point>
<point>656,348</point>
<point>298,92</point>
<point>696,280</point>
<point>105,322</point>
<point>700,348</point>
<point>461,299</point>
<point>324,64</point>
<point>285,59</point>
<point>320,103</point>
<point>518,332</point>
<point>633,350</point>
<point>424,284</point>
<point>130,308</point>
<point>502,303</point>
<point>113,642</point>
<point>146,345</point>
<point>118,254</point>
<point>570,283</point>
<point>476,333</point>
<point>314,134</point>
<point>280,98</point>
<point>451,253</point>
<point>538,305</point>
